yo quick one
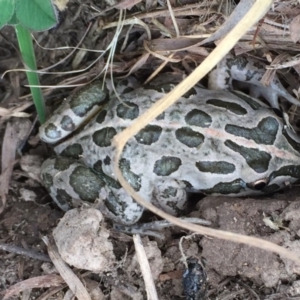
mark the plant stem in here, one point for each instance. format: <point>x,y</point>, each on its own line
<point>27,52</point>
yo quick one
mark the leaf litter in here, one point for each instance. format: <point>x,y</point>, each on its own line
<point>153,37</point>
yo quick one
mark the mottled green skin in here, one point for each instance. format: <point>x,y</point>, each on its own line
<point>214,142</point>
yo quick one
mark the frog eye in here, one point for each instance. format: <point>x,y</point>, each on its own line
<point>258,184</point>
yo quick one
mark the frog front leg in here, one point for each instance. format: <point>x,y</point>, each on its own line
<point>71,183</point>
<point>170,195</point>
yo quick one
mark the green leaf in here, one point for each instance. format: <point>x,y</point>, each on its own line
<point>6,11</point>
<point>13,20</point>
<point>27,53</point>
<point>37,15</point>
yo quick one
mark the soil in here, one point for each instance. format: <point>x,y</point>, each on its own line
<point>227,270</point>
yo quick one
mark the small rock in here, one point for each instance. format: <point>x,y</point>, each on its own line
<point>83,242</point>
<point>27,195</point>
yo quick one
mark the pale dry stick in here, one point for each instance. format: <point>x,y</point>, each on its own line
<point>122,5</point>
<point>125,42</point>
<point>25,252</point>
<point>145,268</point>
<point>162,28</point>
<point>71,279</point>
<point>112,45</point>
<point>180,245</point>
<point>43,281</point>
<point>136,66</point>
<point>173,19</point>
<point>276,24</point>
<point>112,51</point>
<point>257,11</point>
<point>57,73</point>
<point>11,112</point>
<point>178,12</point>
<point>44,71</point>
<point>69,55</point>
<point>160,56</point>
<point>287,63</point>
<point>191,9</point>
<point>65,83</point>
<point>50,292</point>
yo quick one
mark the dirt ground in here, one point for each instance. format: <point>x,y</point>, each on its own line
<point>233,271</point>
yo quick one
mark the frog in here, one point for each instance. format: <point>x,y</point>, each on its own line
<point>212,141</point>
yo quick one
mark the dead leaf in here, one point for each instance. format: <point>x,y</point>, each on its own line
<point>15,133</point>
<point>35,282</point>
<point>294,29</point>
<point>125,4</point>
<point>66,272</point>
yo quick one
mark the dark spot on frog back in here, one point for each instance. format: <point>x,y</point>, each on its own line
<point>67,124</point>
<point>86,183</point>
<point>149,135</point>
<point>52,131</point>
<point>229,106</point>
<point>166,165</point>
<point>127,110</point>
<point>101,116</point>
<point>88,97</point>
<point>291,141</point>
<point>189,137</point>
<point>256,159</point>
<point>264,133</point>
<point>62,163</point>
<point>103,137</point>
<point>224,188</point>
<point>216,167</point>
<point>198,118</point>
<point>161,116</point>
<point>74,151</point>
<point>291,170</point>
<point>107,160</point>
<point>188,185</point>
<point>111,182</point>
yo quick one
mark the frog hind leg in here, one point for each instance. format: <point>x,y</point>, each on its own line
<point>70,182</point>
<point>249,71</point>
<point>120,207</point>
<point>257,92</point>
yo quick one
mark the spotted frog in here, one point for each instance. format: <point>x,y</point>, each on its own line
<point>212,141</point>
